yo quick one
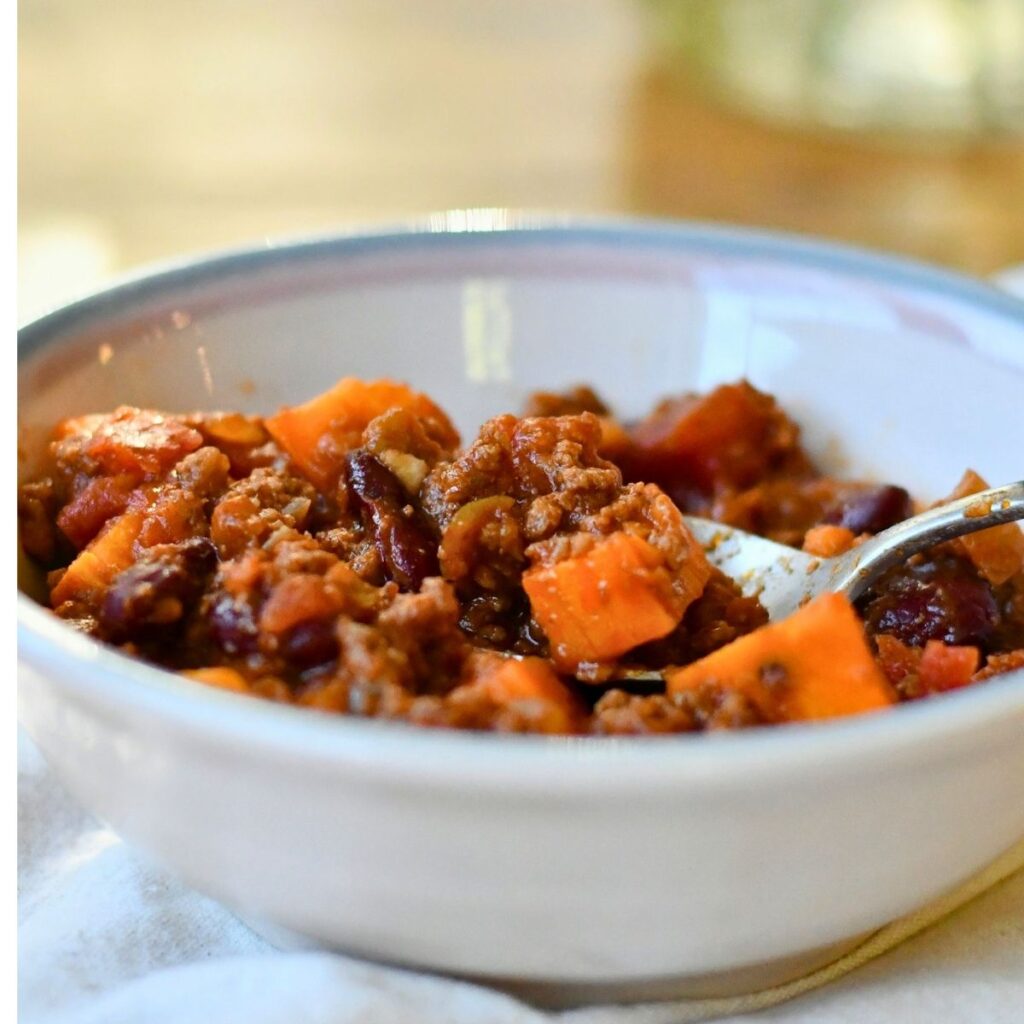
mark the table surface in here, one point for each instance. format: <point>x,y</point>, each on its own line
<point>149,130</point>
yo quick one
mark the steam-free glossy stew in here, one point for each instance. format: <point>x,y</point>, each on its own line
<point>348,555</point>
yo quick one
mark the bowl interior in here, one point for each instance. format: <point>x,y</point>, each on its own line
<point>895,372</point>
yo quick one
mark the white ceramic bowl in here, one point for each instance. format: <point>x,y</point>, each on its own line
<point>589,866</point>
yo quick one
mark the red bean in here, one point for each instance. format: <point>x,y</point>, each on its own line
<point>403,541</point>
<point>159,589</point>
<point>311,643</point>
<point>372,481</point>
<point>233,624</point>
<point>943,599</point>
<point>873,510</point>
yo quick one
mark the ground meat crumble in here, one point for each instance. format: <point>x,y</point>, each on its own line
<point>349,556</point>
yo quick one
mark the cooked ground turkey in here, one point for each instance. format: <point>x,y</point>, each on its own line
<point>203,542</point>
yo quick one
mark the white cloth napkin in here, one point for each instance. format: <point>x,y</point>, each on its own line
<point>106,938</point>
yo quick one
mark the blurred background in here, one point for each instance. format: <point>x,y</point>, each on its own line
<point>153,129</point>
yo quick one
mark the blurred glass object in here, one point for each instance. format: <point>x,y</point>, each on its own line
<point>946,67</point>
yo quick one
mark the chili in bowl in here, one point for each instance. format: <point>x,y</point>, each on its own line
<point>348,555</point>
<point>259,610</point>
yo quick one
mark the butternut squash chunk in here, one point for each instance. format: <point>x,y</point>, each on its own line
<point>897,659</point>
<point>219,676</point>
<point>160,517</point>
<point>920,672</point>
<point>95,505</point>
<point>827,541</point>
<point>998,552</point>
<point>142,443</point>
<point>95,566</point>
<point>529,679</point>
<point>815,664</point>
<point>509,680</point>
<point>946,666</point>
<point>731,437</point>
<point>317,434</point>
<point>600,604</point>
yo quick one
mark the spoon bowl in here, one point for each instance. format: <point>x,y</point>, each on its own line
<point>785,579</point>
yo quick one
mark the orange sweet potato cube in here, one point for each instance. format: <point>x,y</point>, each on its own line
<point>600,604</point>
<point>998,552</point>
<point>317,434</point>
<point>110,552</point>
<point>814,664</point>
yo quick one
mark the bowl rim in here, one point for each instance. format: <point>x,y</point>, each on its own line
<point>536,763</point>
<point>487,225</point>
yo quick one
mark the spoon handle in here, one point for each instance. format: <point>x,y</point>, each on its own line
<point>851,574</point>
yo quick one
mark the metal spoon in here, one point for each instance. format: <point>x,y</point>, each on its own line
<point>784,578</point>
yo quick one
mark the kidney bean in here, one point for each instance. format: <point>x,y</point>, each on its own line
<point>373,481</point>
<point>403,541</point>
<point>311,643</point>
<point>233,624</point>
<point>941,599</point>
<point>872,510</point>
<point>158,589</point>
